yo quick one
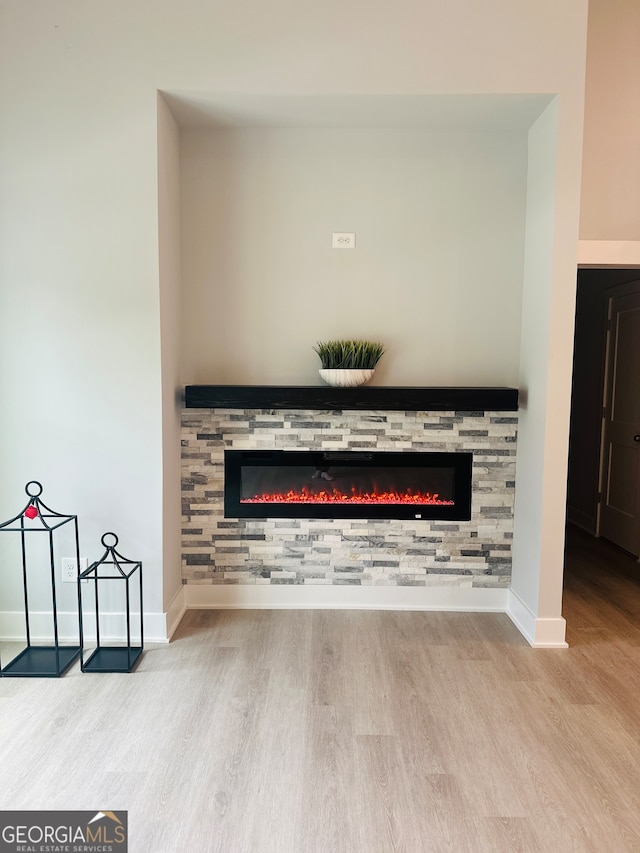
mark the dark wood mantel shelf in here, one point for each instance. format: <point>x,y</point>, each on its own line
<point>368,397</point>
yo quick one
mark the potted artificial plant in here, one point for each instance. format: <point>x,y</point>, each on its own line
<point>348,363</point>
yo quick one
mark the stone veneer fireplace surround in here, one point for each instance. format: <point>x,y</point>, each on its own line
<point>239,556</point>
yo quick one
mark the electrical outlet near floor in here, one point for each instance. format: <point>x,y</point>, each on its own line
<point>70,568</point>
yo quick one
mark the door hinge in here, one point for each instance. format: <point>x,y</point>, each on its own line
<point>599,498</point>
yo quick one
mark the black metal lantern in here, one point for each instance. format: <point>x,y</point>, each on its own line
<point>45,657</point>
<point>114,570</point>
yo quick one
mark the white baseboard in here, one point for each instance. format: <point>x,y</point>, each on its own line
<point>322,597</point>
<point>175,611</point>
<point>155,628</point>
<point>160,627</point>
<point>112,627</point>
<point>539,633</point>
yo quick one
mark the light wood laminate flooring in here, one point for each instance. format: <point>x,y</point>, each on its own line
<point>356,731</point>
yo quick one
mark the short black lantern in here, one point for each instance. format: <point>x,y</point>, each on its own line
<point>111,568</point>
<point>41,532</point>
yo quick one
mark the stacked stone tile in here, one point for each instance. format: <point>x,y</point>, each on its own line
<point>219,550</point>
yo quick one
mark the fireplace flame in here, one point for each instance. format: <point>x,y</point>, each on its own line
<point>335,496</point>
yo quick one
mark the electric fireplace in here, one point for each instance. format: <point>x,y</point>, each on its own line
<point>347,484</point>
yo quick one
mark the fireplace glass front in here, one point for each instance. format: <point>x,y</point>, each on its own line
<point>347,484</point>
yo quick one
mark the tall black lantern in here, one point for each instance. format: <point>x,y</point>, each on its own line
<point>40,530</point>
<point>113,570</point>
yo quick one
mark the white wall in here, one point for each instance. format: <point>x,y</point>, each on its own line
<point>80,353</point>
<point>610,207</point>
<point>532,498</point>
<point>548,312</point>
<point>170,288</point>
<point>79,325</point>
<point>436,274</point>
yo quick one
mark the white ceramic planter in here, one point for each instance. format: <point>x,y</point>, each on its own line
<point>346,378</point>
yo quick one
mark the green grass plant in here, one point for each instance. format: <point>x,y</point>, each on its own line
<point>349,355</point>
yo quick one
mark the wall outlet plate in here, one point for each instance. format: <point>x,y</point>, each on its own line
<point>343,240</point>
<point>69,568</point>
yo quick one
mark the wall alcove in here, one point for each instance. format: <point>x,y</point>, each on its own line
<point>438,191</point>
<point>435,189</point>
